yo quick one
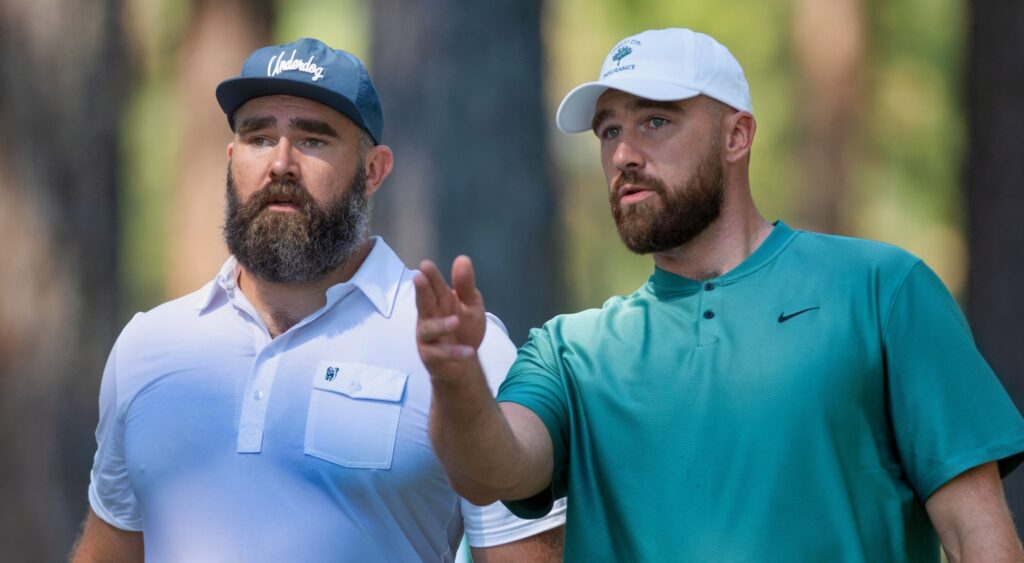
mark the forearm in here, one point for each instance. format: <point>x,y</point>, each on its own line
<point>100,543</point>
<point>972,519</point>
<point>985,547</point>
<point>986,540</point>
<point>478,448</point>
<point>490,452</point>
<point>545,547</point>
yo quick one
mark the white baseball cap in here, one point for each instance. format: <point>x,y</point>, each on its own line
<point>664,65</point>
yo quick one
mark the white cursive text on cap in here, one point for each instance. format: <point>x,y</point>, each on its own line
<point>278,64</point>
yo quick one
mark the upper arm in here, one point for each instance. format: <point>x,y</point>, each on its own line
<point>949,411</point>
<point>100,542</point>
<point>537,460</point>
<point>971,517</point>
<point>540,548</point>
<point>110,487</point>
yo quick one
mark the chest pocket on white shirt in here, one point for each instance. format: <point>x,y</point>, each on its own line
<point>353,414</point>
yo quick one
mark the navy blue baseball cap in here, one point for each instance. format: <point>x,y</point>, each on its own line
<point>307,68</point>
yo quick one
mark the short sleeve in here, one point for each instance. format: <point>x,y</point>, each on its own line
<point>110,492</point>
<point>491,525</point>
<point>536,382</point>
<point>950,412</point>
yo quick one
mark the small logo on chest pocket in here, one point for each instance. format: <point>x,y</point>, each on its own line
<point>331,374</point>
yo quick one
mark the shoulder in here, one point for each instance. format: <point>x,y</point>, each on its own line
<point>585,327</point>
<point>863,274</point>
<point>148,340</point>
<point>835,251</point>
<point>170,330</point>
<point>167,320</point>
<point>847,264</point>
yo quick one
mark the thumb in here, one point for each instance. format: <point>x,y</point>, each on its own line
<point>464,282</point>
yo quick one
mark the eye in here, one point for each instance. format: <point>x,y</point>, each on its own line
<point>314,143</point>
<point>258,141</point>
<point>657,122</point>
<point>608,133</point>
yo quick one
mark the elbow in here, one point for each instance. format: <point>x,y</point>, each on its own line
<point>482,499</point>
<point>480,496</point>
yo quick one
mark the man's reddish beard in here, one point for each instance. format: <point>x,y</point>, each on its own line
<point>671,217</point>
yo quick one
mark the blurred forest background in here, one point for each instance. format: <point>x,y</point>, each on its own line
<point>896,120</point>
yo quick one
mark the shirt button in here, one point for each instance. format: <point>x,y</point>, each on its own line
<point>709,286</point>
<point>356,386</point>
<point>257,395</point>
<point>709,314</point>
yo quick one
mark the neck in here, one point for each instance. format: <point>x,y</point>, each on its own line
<point>723,245</point>
<point>283,305</point>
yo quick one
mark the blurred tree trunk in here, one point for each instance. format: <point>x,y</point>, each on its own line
<point>994,188</point>
<point>63,72</point>
<point>218,38</point>
<point>462,88</point>
<point>829,39</point>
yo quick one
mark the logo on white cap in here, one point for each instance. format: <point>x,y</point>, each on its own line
<point>621,51</point>
<point>278,64</point>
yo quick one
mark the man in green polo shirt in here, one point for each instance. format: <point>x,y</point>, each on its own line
<point>768,395</point>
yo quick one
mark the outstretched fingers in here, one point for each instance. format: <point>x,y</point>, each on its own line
<point>433,296</point>
<point>443,293</point>
<point>437,323</point>
<point>464,281</point>
<point>426,301</point>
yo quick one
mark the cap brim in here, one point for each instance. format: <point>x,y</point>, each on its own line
<point>576,112</point>
<point>234,92</point>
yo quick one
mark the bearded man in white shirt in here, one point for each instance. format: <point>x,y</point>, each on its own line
<point>280,412</point>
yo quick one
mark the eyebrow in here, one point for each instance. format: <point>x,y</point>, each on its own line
<point>599,117</point>
<point>256,123</point>
<point>314,126</point>
<point>644,103</point>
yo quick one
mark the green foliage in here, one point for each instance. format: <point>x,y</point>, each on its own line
<point>149,151</point>
<point>905,168</point>
<point>908,180</point>
<point>344,24</point>
<point>149,140</point>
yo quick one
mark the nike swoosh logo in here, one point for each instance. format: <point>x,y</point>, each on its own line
<point>783,317</point>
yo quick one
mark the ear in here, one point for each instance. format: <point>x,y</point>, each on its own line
<point>231,149</point>
<point>739,130</point>
<point>378,162</point>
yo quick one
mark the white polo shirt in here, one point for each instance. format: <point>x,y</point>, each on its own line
<point>223,444</point>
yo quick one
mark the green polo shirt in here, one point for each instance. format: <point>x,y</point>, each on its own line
<point>800,407</point>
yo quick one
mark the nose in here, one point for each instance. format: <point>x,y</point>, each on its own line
<point>284,166</point>
<point>626,155</point>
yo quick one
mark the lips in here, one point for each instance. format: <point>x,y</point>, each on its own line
<point>282,206</point>
<point>633,193</point>
<point>282,202</point>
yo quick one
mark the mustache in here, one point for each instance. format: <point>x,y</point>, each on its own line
<point>279,191</point>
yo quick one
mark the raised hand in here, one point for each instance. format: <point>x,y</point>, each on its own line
<point>451,321</point>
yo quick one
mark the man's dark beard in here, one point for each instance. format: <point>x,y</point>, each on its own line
<point>298,247</point>
<point>669,218</point>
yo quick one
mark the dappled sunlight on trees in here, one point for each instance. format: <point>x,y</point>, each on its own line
<point>113,146</point>
<point>63,78</point>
